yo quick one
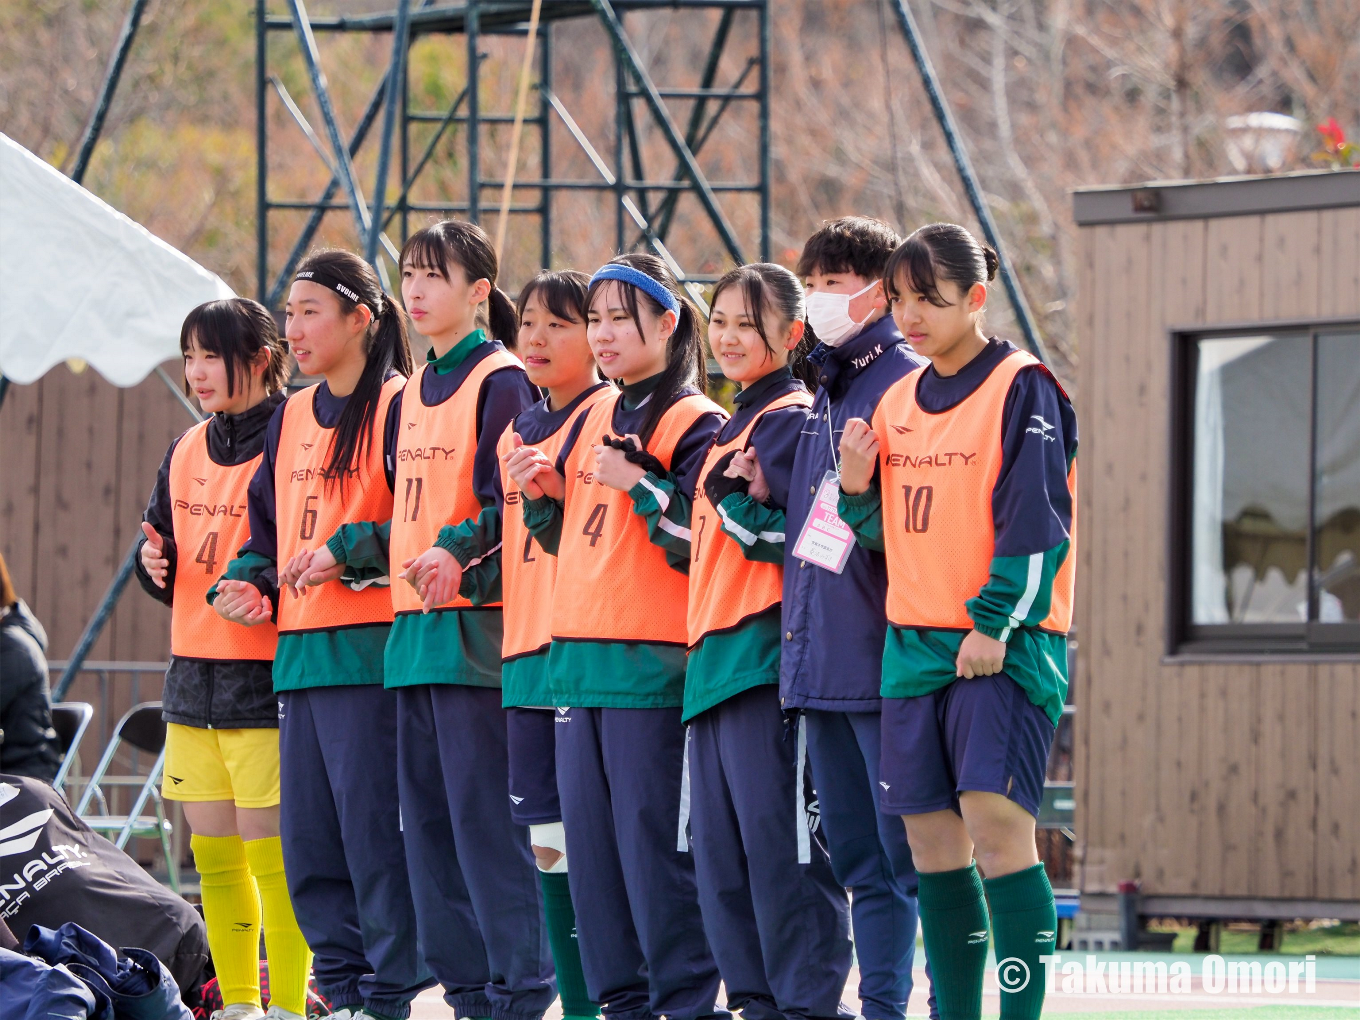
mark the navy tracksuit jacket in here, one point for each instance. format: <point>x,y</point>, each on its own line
<point>836,680</point>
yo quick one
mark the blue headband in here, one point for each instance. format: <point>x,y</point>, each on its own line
<point>640,280</point>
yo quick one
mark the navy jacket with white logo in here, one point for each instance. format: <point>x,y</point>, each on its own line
<point>834,624</point>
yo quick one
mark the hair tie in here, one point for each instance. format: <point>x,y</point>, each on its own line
<point>636,278</point>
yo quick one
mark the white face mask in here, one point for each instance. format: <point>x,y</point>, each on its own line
<point>829,316</point>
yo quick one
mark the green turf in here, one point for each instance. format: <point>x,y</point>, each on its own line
<point>1340,940</point>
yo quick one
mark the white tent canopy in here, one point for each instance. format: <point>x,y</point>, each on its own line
<point>78,279</point>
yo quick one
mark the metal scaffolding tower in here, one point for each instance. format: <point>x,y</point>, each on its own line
<point>645,204</point>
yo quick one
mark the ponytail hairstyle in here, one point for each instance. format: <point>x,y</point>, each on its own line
<point>685,347</point>
<point>466,246</point>
<point>939,251</point>
<point>384,346</point>
<point>772,289</point>
<point>236,330</point>
<point>563,293</point>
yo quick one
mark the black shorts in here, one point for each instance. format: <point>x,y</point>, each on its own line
<point>981,734</point>
<point>533,766</point>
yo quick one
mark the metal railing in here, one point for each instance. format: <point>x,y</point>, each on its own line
<point>120,685</point>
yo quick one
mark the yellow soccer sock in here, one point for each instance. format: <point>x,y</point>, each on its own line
<point>231,909</point>
<point>290,961</point>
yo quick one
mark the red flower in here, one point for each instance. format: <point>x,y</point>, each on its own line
<point>1332,132</point>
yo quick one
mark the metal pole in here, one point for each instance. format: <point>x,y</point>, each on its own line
<point>765,84</point>
<point>184,401</point>
<point>396,77</point>
<point>311,56</point>
<point>620,98</point>
<point>101,616</point>
<point>111,77</point>
<point>314,221</point>
<point>603,168</point>
<point>545,139</point>
<point>970,182</point>
<point>635,155</point>
<point>401,205</point>
<point>474,66</point>
<point>323,154</point>
<point>629,56</point>
<point>261,158</point>
<point>517,130</point>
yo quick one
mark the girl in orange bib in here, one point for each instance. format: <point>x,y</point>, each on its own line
<point>557,358</point>
<point>329,458</point>
<point>966,479</point>
<point>618,642</point>
<point>222,736</point>
<point>472,873</point>
<point>776,917</point>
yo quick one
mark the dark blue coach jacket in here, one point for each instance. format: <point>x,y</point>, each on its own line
<point>834,624</point>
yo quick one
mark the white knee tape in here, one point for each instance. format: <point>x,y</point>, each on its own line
<point>550,836</point>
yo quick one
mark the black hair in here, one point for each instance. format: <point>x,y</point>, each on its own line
<point>467,246</point>
<point>236,330</point>
<point>384,346</point>
<point>684,348</point>
<point>561,292</point>
<point>939,251</point>
<point>851,244</point>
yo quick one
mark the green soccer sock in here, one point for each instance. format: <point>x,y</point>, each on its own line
<point>561,920</point>
<point>954,922</point>
<point>1025,926</point>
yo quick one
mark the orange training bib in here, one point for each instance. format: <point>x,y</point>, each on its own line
<point>436,447</point>
<point>306,514</point>
<point>208,510</point>
<point>527,572</point>
<point>938,475</point>
<point>613,584</point>
<point>725,588</point>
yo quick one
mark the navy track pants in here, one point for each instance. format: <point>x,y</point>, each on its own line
<point>780,929</point>
<point>642,941</point>
<point>342,850</point>
<point>869,855</point>
<point>472,872</point>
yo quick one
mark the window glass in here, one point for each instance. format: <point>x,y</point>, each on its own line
<point>1338,478</point>
<point>1250,484</point>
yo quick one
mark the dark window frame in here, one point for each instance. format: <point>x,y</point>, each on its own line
<point>1184,638</point>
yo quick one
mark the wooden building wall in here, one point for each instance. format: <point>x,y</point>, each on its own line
<point>1227,778</point>
<point>78,458</point>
